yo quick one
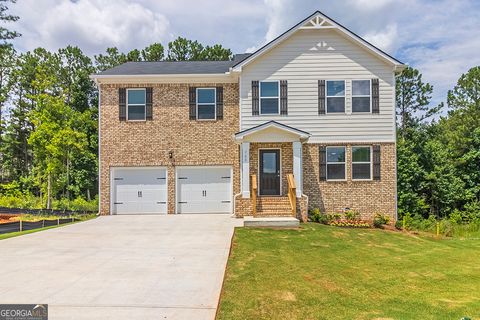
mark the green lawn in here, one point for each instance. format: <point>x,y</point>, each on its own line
<point>322,272</point>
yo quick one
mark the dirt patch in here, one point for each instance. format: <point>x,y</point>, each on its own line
<point>6,218</point>
<point>286,296</point>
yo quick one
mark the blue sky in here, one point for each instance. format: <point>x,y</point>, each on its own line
<point>439,37</point>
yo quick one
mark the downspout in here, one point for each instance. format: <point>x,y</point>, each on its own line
<point>99,153</point>
<point>395,140</point>
<point>240,150</point>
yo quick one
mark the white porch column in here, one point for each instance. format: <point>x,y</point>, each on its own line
<point>245,168</point>
<point>297,166</point>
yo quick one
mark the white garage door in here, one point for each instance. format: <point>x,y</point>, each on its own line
<point>139,190</point>
<point>204,190</point>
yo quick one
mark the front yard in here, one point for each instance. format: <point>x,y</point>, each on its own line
<point>323,272</point>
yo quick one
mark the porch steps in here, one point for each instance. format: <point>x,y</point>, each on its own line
<point>273,222</point>
<point>273,207</point>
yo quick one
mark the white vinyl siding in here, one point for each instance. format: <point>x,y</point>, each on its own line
<point>312,55</point>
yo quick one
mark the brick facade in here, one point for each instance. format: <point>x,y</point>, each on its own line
<point>368,197</point>
<point>148,143</point>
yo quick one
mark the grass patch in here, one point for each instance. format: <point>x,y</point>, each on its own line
<point>21,233</point>
<point>323,272</point>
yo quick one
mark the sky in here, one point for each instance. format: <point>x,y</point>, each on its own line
<point>438,37</point>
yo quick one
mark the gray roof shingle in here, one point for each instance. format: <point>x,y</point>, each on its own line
<point>174,67</point>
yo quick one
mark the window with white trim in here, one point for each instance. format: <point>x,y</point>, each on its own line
<point>362,163</point>
<point>335,163</point>
<point>335,94</point>
<point>361,96</point>
<point>136,104</point>
<point>206,104</point>
<point>269,97</point>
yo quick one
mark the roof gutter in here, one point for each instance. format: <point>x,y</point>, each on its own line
<point>120,76</point>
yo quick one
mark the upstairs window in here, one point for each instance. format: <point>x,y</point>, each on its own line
<point>361,163</point>
<point>269,97</point>
<point>136,101</point>
<point>335,163</point>
<point>335,96</point>
<point>361,96</point>
<point>206,102</point>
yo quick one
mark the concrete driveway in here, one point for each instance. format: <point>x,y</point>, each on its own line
<point>121,267</point>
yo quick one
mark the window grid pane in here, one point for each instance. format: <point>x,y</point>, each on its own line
<point>361,171</point>
<point>336,171</point>
<point>136,112</point>
<point>206,112</point>
<point>361,87</point>
<point>361,154</point>
<point>336,104</point>
<point>269,89</point>
<point>136,96</point>
<point>269,106</point>
<point>205,95</point>
<point>336,88</point>
<point>335,154</point>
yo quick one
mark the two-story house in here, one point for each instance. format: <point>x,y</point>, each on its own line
<point>306,121</point>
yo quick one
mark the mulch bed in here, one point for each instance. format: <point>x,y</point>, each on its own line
<point>6,218</point>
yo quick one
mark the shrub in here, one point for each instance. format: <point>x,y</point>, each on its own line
<point>399,224</point>
<point>352,214</point>
<point>315,215</point>
<point>25,201</point>
<point>446,227</point>
<point>78,204</point>
<point>380,220</point>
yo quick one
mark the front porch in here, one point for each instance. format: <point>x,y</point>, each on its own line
<point>271,172</point>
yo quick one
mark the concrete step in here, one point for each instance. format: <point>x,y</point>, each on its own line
<point>274,222</point>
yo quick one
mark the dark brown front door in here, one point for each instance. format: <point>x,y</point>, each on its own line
<point>270,172</point>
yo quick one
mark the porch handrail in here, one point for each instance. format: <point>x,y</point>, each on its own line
<point>292,193</point>
<point>254,193</point>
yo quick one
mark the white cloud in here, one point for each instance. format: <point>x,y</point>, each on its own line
<point>370,4</point>
<point>91,24</point>
<point>385,39</point>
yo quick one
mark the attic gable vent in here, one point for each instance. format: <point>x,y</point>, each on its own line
<point>317,22</point>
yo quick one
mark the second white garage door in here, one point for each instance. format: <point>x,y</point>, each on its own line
<point>204,190</point>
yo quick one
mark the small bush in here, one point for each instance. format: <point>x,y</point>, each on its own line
<point>399,224</point>
<point>352,214</point>
<point>315,215</point>
<point>380,220</point>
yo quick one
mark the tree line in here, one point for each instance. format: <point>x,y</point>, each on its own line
<point>438,148</point>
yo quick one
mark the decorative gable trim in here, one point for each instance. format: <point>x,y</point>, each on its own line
<point>318,20</point>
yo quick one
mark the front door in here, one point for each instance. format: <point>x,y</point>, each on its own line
<point>270,172</point>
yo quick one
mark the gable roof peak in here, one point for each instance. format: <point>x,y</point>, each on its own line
<point>319,20</point>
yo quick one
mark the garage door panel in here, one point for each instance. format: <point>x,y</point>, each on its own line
<point>139,190</point>
<point>204,190</point>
